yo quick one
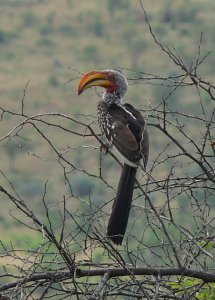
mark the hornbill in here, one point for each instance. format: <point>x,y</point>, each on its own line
<point>125,130</point>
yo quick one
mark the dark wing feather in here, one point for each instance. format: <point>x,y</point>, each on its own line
<point>125,142</point>
<point>144,143</point>
<point>125,129</point>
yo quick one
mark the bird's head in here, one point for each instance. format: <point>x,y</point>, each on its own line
<point>113,81</point>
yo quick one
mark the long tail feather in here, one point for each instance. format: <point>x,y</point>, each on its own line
<point>121,206</point>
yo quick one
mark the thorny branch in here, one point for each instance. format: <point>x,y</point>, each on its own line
<point>170,237</point>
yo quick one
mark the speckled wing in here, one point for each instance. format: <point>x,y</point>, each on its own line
<point>122,131</point>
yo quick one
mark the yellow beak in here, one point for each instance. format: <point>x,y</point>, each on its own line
<point>94,78</point>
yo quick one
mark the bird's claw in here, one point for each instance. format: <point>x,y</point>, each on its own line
<point>104,148</point>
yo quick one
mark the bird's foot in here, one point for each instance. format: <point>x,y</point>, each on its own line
<point>104,148</point>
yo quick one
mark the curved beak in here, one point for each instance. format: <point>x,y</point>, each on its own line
<point>94,78</point>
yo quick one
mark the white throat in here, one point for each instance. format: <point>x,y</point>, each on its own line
<point>112,98</point>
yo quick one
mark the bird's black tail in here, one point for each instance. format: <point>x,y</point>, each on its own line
<point>121,206</point>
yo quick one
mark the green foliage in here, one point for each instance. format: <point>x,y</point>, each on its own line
<point>206,293</point>
<point>32,242</point>
<point>8,56</point>
<point>95,24</point>
<point>30,19</point>
<point>117,5</point>
<point>82,185</point>
<point>5,36</point>
<point>30,187</point>
<point>11,149</point>
<point>50,18</point>
<point>98,26</point>
<point>47,42</point>
<point>46,29</point>
<point>27,186</point>
<point>53,81</point>
<point>207,245</point>
<point>90,53</point>
<point>172,96</point>
<point>68,30</point>
<point>177,13</point>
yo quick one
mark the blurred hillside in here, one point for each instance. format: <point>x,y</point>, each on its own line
<point>48,44</point>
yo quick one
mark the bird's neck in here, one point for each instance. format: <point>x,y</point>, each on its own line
<point>112,97</point>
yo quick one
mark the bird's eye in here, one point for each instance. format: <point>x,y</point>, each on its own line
<point>111,77</point>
